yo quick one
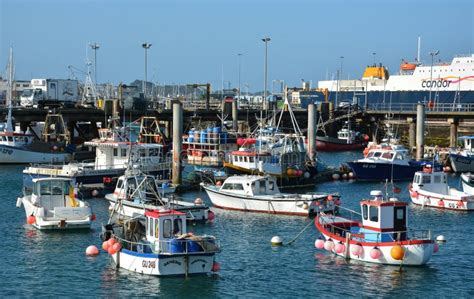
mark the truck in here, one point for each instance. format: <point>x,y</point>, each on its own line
<point>50,92</point>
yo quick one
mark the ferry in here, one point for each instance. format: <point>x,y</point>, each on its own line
<point>448,82</point>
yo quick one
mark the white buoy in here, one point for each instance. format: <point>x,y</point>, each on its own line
<point>92,250</point>
<point>351,175</point>
<point>440,239</point>
<point>277,241</point>
<point>95,193</point>
<point>336,176</point>
<point>198,201</point>
<point>344,176</point>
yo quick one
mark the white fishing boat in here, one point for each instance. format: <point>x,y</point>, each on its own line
<point>430,189</point>
<point>463,160</point>
<point>253,193</point>
<point>136,192</point>
<point>467,180</point>
<point>380,236</point>
<point>160,245</point>
<point>53,205</point>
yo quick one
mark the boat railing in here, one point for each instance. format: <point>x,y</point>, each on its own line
<point>328,220</point>
<point>175,246</point>
<point>411,107</point>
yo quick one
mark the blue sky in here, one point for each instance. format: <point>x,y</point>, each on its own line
<point>194,40</point>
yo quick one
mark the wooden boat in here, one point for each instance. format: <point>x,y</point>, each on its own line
<point>380,236</point>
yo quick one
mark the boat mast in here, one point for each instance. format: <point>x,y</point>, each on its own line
<point>9,127</point>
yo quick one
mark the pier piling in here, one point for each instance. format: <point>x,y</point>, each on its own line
<point>177,141</point>
<point>420,130</point>
<point>235,115</point>
<point>312,119</point>
<point>453,132</point>
<point>411,133</point>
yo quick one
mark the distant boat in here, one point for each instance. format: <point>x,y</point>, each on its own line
<point>347,140</point>
<point>467,180</point>
<point>463,160</point>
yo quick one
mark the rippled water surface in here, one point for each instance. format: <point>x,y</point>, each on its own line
<point>35,263</point>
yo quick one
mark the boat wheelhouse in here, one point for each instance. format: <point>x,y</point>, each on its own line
<point>380,236</point>
<point>463,160</point>
<point>160,245</point>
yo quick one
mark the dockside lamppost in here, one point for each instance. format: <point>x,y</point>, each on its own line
<point>265,40</point>
<point>433,54</point>
<point>145,46</point>
<point>95,47</point>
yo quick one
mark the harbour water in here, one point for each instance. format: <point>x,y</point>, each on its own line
<point>50,264</point>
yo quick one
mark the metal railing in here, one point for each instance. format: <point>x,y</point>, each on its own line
<point>175,246</point>
<point>411,107</point>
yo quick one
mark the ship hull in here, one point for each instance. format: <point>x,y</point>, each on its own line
<point>330,144</point>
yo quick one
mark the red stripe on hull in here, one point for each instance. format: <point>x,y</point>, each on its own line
<point>325,146</point>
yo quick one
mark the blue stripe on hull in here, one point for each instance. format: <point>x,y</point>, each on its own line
<point>382,171</point>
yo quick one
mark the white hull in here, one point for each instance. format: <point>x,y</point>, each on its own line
<point>441,201</point>
<point>466,186</point>
<point>265,204</point>
<point>131,209</point>
<point>59,217</point>
<point>416,255</point>
<point>164,265</point>
<point>12,155</point>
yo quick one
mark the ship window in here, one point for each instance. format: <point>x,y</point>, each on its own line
<point>115,152</point>
<point>124,152</point>
<point>387,155</point>
<point>377,154</point>
<point>374,213</point>
<point>167,228</point>
<point>437,179</point>
<point>400,214</point>
<point>10,138</point>
<point>364,211</point>
<point>231,186</point>
<point>370,155</point>
<point>417,179</point>
<point>271,185</point>
<point>426,179</point>
<point>251,159</point>
<point>177,226</point>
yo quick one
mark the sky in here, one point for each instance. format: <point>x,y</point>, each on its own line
<point>199,41</point>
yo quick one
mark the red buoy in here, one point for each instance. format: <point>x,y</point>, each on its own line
<point>31,219</point>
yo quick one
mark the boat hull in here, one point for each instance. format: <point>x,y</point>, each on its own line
<point>285,206</point>
<point>417,252</point>
<point>15,155</point>
<point>329,144</point>
<point>440,201</point>
<point>467,184</point>
<point>367,171</point>
<point>460,163</point>
<point>164,265</point>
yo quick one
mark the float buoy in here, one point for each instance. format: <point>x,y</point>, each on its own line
<point>356,249</point>
<point>105,246</point>
<point>198,201</point>
<point>117,247</point>
<point>441,203</point>
<point>276,241</point>
<point>329,245</point>
<point>95,193</point>
<point>460,204</point>
<point>375,253</point>
<point>397,252</point>
<point>93,217</point>
<point>216,267</point>
<point>336,176</point>
<point>92,250</point>
<point>307,175</point>
<point>339,248</point>
<point>319,243</point>
<point>31,219</point>
<point>440,239</point>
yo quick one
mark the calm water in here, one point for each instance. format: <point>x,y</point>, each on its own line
<point>35,263</point>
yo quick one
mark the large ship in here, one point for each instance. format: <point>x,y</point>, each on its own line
<point>449,83</point>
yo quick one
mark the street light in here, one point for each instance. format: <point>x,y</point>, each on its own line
<point>95,47</point>
<point>265,40</point>
<point>145,46</point>
<point>240,62</point>
<point>433,54</point>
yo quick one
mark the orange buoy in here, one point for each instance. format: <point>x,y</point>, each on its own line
<point>117,247</point>
<point>105,245</point>
<point>111,242</point>
<point>397,252</point>
<point>31,219</point>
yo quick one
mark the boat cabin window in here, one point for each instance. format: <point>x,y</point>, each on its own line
<point>10,138</point>
<point>271,185</point>
<point>398,156</point>
<point>426,179</point>
<point>167,228</point>
<point>374,213</point>
<point>232,186</point>
<point>251,159</point>
<point>52,188</point>
<point>377,154</point>
<point>115,152</point>
<point>387,155</point>
<point>364,212</point>
<point>119,184</point>
<point>370,155</point>
<point>123,152</point>
<point>171,228</point>
<point>437,179</point>
<point>400,215</point>
<point>154,152</point>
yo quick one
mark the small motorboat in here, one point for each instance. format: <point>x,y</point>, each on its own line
<point>387,163</point>
<point>53,205</point>
<point>381,236</point>
<point>430,189</point>
<point>347,140</point>
<point>158,244</point>
<point>255,193</point>
<point>136,192</point>
<point>467,180</point>
<point>463,160</point>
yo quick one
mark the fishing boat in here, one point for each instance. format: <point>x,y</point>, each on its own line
<point>21,147</point>
<point>113,156</point>
<point>467,180</point>
<point>159,244</point>
<point>388,163</point>
<point>347,140</point>
<point>430,189</point>
<point>52,205</point>
<point>380,236</point>
<point>254,193</point>
<point>463,160</point>
<point>136,192</point>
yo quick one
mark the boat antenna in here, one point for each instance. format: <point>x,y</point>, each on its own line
<point>419,49</point>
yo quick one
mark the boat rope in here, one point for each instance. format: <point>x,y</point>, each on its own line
<point>299,234</point>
